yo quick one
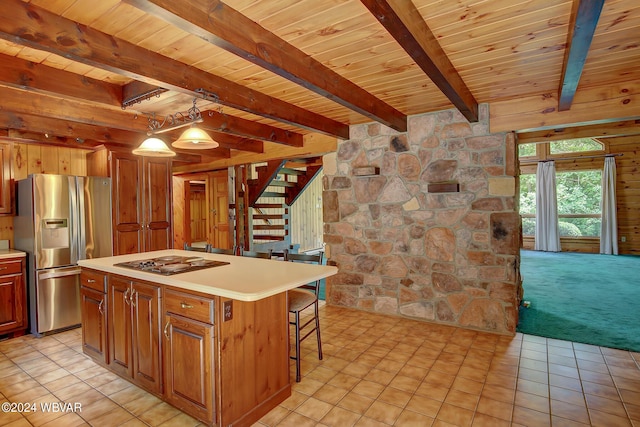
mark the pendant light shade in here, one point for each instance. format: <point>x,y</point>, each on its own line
<point>153,147</point>
<point>195,138</point>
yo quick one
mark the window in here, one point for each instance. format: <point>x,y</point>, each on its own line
<point>575,146</point>
<point>578,195</point>
<point>526,150</point>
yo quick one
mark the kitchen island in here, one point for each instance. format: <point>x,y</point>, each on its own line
<point>213,342</point>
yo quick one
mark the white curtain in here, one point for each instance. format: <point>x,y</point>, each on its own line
<point>609,224</point>
<point>547,235</point>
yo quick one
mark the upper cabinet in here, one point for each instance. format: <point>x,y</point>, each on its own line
<point>141,201</point>
<point>6,180</point>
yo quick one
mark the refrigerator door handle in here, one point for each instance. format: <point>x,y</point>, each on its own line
<point>74,219</point>
<point>80,215</point>
<point>59,273</point>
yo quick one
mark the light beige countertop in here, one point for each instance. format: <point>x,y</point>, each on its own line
<point>244,279</point>
<point>11,253</point>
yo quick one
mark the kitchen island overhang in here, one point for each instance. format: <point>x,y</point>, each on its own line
<point>213,342</point>
<point>244,279</point>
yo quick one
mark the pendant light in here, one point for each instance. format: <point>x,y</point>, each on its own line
<point>153,147</point>
<point>195,138</point>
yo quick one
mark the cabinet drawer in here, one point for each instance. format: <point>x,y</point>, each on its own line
<point>93,279</point>
<point>187,305</point>
<point>11,267</point>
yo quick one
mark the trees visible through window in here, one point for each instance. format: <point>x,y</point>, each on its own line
<point>575,146</point>
<point>526,150</point>
<point>579,194</point>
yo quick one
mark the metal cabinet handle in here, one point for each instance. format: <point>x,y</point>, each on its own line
<point>91,281</point>
<point>3,268</point>
<point>166,329</point>
<point>126,298</point>
<point>132,295</point>
<point>185,305</point>
<point>100,308</point>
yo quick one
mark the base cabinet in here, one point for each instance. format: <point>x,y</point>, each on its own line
<point>13,296</point>
<point>93,300</point>
<point>134,332</point>
<point>223,370</point>
<point>188,362</point>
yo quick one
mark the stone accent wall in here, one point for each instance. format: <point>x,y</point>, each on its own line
<point>449,258</point>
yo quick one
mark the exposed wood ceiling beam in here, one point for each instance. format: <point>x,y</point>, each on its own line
<point>137,91</point>
<point>403,21</point>
<point>31,128</point>
<point>228,29</point>
<point>28,25</point>
<point>214,121</point>
<point>315,145</point>
<point>602,130</point>
<point>101,134</point>
<point>37,138</point>
<point>21,74</point>
<point>237,142</point>
<point>73,110</point>
<point>62,128</point>
<point>597,104</point>
<point>584,19</point>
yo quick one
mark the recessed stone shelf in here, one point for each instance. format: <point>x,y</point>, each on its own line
<point>444,187</point>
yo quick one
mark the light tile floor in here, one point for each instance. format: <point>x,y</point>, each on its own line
<point>377,371</point>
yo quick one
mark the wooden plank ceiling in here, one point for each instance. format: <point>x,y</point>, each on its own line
<point>291,73</point>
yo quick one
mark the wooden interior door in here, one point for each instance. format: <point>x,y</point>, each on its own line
<point>219,211</point>
<point>198,208</point>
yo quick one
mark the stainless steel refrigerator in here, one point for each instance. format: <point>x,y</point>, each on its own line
<point>60,220</point>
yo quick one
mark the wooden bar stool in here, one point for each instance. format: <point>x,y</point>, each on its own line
<point>197,248</point>
<point>213,250</point>
<point>253,254</point>
<point>300,299</point>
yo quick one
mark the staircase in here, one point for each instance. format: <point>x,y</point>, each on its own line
<point>277,186</point>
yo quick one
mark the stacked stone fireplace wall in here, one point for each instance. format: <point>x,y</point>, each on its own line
<point>447,257</point>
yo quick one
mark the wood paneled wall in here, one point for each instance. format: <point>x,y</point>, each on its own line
<point>34,158</point>
<point>306,217</point>
<point>628,193</point>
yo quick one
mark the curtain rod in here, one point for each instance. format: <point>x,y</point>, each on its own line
<point>573,158</point>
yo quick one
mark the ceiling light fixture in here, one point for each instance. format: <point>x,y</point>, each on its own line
<point>153,147</point>
<point>193,138</point>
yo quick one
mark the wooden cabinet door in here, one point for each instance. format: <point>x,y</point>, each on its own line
<point>157,204</point>
<point>94,323</point>
<point>13,310</point>
<point>145,306</point>
<point>188,362</point>
<point>119,326</point>
<point>126,187</point>
<point>6,180</point>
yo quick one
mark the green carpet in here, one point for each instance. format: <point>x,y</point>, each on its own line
<point>587,298</point>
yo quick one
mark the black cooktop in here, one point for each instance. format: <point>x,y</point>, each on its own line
<point>173,264</point>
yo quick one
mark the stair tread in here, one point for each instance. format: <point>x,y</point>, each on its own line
<point>272,194</point>
<point>269,226</point>
<point>290,171</point>
<point>267,237</point>
<point>282,184</point>
<point>268,216</point>
<point>269,205</point>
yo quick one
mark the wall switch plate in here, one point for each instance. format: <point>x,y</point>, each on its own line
<point>227,309</point>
